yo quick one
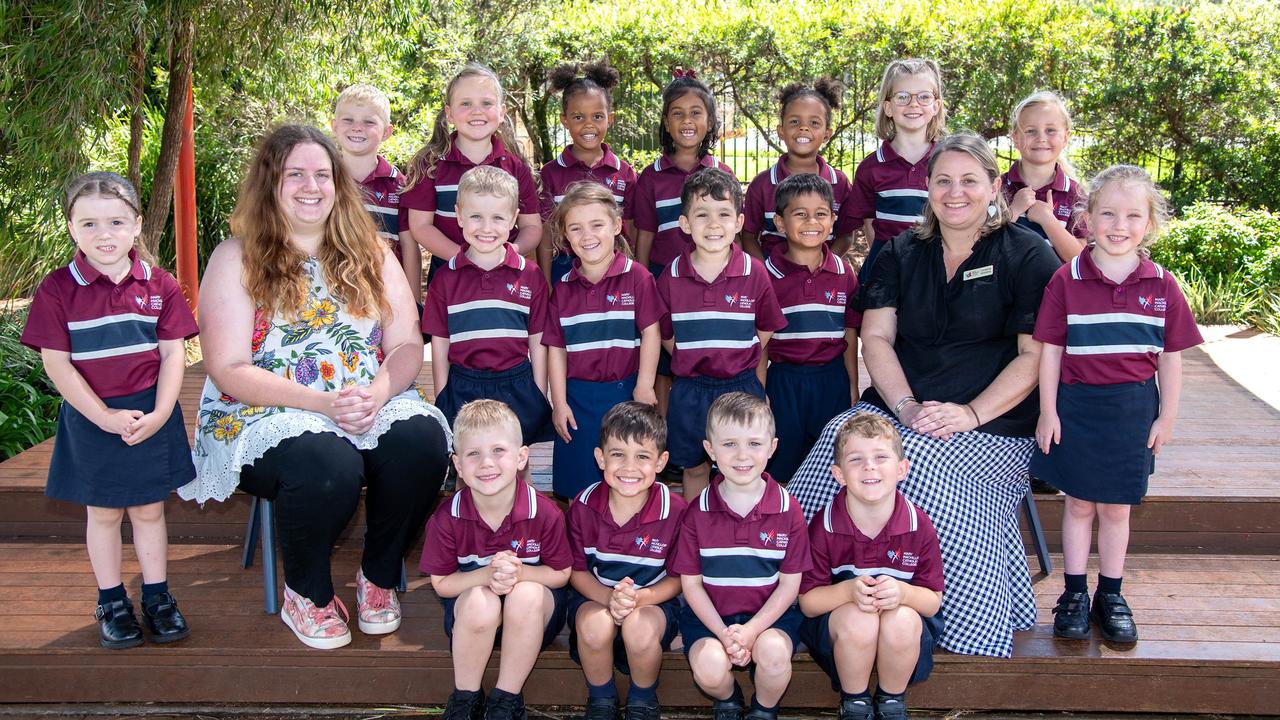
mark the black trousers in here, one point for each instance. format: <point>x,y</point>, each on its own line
<point>315,479</point>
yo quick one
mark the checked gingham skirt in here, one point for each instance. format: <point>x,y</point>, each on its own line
<point>971,487</point>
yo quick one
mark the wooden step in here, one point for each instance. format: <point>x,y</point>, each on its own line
<point>1210,629</point>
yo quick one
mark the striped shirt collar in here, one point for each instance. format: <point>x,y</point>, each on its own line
<point>885,153</point>
<point>497,150</point>
<point>620,265</point>
<point>739,264</point>
<point>775,500</point>
<point>511,259</point>
<point>85,273</point>
<point>778,172</point>
<point>656,507</point>
<point>1060,182</point>
<point>779,266</point>
<point>836,519</point>
<point>566,159</point>
<point>666,162</point>
<point>1083,268</point>
<point>382,169</point>
<point>524,506</point>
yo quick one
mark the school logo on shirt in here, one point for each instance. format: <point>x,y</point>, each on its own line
<point>517,544</point>
<point>157,302</point>
<point>611,298</point>
<point>378,195</point>
<point>521,291</point>
<point>528,545</point>
<point>910,560</point>
<point>739,300</point>
<point>616,183</point>
<point>776,539</point>
<point>626,299</point>
<point>893,556</point>
<point>393,198</point>
<point>1145,301</point>
<point>837,297</point>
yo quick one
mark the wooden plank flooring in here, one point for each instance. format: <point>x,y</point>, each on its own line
<point>1200,652</point>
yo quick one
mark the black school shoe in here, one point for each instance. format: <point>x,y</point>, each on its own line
<point>730,709</point>
<point>503,705</point>
<point>640,710</point>
<point>602,709</point>
<point>758,714</point>
<point>163,621</point>
<point>855,710</point>
<point>890,709</point>
<point>1071,616</point>
<point>117,625</point>
<point>464,705</point>
<point>1114,618</point>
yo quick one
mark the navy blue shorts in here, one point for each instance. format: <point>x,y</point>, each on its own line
<point>573,464</point>
<point>803,398</point>
<point>515,387</point>
<point>691,398</point>
<point>817,637</point>
<point>96,468</point>
<point>670,609</point>
<point>692,630</point>
<point>554,625</point>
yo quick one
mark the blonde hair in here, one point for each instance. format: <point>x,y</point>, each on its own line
<point>424,162</point>
<point>870,426</point>
<point>1045,98</point>
<point>1157,205</point>
<point>480,415</point>
<point>349,251</point>
<point>491,181</point>
<point>739,408</point>
<point>585,192</point>
<point>365,94</point>
<point>885,129</point>
<point>106,185</point>
<point>978,149</point>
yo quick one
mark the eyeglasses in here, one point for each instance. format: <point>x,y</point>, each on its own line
<point>903,99</point>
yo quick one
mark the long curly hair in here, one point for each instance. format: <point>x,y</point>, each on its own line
<point>349,252</point>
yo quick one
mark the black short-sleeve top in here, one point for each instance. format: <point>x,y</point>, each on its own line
<point>954,337</point>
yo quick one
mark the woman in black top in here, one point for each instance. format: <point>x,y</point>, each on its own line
<point>948,313</point>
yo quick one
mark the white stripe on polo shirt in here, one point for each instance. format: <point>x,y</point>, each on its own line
<point>114,352</point>
<point>903,192</point>
<point>740,582</point>
<point>814,307</point>
<point>743,551</point>
<point>1102,318</point>
<point>712,315</point>
<point>110,320</point>
<point>619,557</point>
<point>474,559</point>
<point>596,317</point>
<point>872,572</point>
<point>813,335</point>
<point>601,345</point>
<point>898,218</point>
<point>488,305</point>
<point>721,344</point>
<point>382,210</point>
<point>1112,349</point>
<point>488,334</point>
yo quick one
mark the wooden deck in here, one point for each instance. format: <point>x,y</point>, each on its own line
<point>1203,578</point>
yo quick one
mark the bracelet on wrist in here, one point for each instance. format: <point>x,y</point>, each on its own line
<point>974,413</point>
<point>897,408</point>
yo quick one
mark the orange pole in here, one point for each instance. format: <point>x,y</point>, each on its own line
<point>184,208</point>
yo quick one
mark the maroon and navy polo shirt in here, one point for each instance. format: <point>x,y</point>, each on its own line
<point>382,199</point>
<point>439,194</point>
<point>906,549</point>
<point>599,325</point>
<point>113,331</point>
<point>557,175</point>
<point>741,559</point>
<point>759,205</point>
<point>487,315</point>
<point>638,549</point>
<point>889,191</point>
<point>1114,333</point>
<point>656,208</point>
<point>818,307</point>
<point>459,540</point>
<point>1067,197</point>
<point>715,324</point>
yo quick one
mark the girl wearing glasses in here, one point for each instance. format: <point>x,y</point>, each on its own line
<point>889,189</point>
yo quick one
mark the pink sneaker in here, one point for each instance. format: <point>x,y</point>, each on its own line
<point>317,627</point>
<point>378,608</point>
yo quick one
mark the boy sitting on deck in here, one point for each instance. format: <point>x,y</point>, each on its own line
<point>873,594</point>
<point>498,556</point>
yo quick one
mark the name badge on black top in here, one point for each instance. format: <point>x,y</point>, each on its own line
<point>979,272</point>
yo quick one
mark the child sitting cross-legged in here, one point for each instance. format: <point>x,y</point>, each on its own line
<point>623,608</point>
<point>498,558</point>
<point>741,550</point>
<point>872,596</point>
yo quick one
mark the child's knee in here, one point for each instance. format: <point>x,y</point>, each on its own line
<point>643,628</point>
<point>900,628</point>
<point>595,626</point>
<point>709,662</point>
<point>772,653</point>
<point>1080,509</point>
<point>850,626</point>
<point>105,516</point>
<point>527,597</point>
<point>477,608</point>
<point>1112,513</point>
<point>151,513</point>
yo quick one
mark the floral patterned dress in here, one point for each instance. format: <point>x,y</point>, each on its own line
<point>324,348</point>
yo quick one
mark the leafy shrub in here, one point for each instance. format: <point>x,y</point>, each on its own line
<point>28,401</point>
<point>1217,242</point>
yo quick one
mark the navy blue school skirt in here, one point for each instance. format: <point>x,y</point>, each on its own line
<point>803,399</point>
<point>691,398</point>
<point>96,468</point>
<point>514,386</point>
<point>1103,456</point>
<point>573,463</point>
